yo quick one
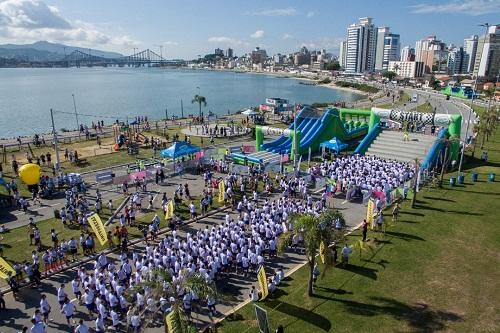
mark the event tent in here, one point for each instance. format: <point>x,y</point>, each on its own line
<point>334,144</point>
<point>250,112</point>
<point>179,149</point>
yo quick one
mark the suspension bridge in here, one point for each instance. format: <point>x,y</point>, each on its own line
<point>146,58</point>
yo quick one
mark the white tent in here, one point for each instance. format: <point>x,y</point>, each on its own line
<point>250,112</point>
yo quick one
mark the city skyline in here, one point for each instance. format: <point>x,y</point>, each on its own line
<point>193,27</point>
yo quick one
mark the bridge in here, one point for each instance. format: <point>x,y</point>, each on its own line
<point>146,58</point>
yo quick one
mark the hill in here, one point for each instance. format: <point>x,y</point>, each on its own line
<point>46,51</point>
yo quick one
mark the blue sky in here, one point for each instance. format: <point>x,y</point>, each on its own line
<point>191,27</point>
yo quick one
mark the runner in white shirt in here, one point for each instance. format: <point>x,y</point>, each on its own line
<point>99,324</point>
<point>68,309</point>
<point>116,320</point>
<point>75,286</point>
<point>61,295</point>
<point>37,327</point>
<point>81,328</point>
<point>45,308</point>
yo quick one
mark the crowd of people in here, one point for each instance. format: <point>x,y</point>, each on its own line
<point>356,173</point>
<point>238,245</point>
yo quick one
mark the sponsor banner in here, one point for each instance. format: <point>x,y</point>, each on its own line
<point>199,154</point>
<point>98,228</point>
<point>261,277</point>
<point>266,130</point>
<point>369,212</point>
<point>222,189</point>
<point>5,268</point>
<point>322,251</point>
<point>248,149</point>
<point>137,175</point>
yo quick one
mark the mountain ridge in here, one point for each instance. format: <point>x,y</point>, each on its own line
<point>47,51</point>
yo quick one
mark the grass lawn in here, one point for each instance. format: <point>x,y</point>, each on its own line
<point>437,269</point>
<point>425,108</point>
<point>403,98</point>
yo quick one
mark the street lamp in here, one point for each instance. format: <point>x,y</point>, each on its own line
<point>486,25</point>
<point>76,116</point>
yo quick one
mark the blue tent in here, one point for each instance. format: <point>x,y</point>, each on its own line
<point>179,149</point>
<point>334,144</point>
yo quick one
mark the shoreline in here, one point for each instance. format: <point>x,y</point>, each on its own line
<point>10,140</point>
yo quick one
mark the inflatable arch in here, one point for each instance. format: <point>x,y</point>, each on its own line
<point>452,121</point>
<point>260,131</point>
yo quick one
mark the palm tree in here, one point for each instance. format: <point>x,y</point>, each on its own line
<point>160,284</point>
<point>315,230</point>
<point>200,100</point>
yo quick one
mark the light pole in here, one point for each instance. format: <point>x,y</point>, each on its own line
<point>199,94</point>
<point>486,25</point>
<point>55,140</point>
<point>76,116</point>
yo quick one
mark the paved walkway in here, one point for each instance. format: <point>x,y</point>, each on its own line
<point>234,286</point>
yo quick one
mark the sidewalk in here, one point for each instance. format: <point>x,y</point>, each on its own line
<point>235,286</point>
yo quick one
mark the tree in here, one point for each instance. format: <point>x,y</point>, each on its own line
<point>333,65</point>
<point>160,284</point>
<point>489,119</point>
<point>200,100</point>
<point>315,230</point>
<point>433,83</point>
<point>389,75</point>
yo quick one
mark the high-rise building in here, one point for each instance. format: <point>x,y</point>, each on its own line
<point>219,52</point>
<point>382,32</point>
<point>457,60</point>
<point>258,56</point>
<point>470,49</point>
<point>432,52</point>
<point>407,53</point>
<point>387,48</point>
<point>342,53</point>
<point>407,69</point>
<point>361,46</point>
<point>487,63</point>
<point>229,53</point>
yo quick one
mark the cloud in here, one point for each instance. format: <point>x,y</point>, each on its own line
<point>23,21</point>
<point>221,40</point>
<point>258,34</point>
<point>286,36</point>
<point>170,43</point>
<point>310,14</point>
<point>227,41</point>
<point>322,43</point>
<point>466,7</point>
<point>31,14</point>
<point>290,11</point>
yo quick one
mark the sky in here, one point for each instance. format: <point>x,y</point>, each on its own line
<point>188,28</point>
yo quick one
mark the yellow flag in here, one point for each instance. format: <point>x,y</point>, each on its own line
<point>99,230</point>
<point>222,189</point>
<point>261,277</point>
<point>169,321</point>
<point>170,205</point>
<point>5,268</point>
<point>167,213</point>
<point>369,212</point>
<point>322,251</point>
